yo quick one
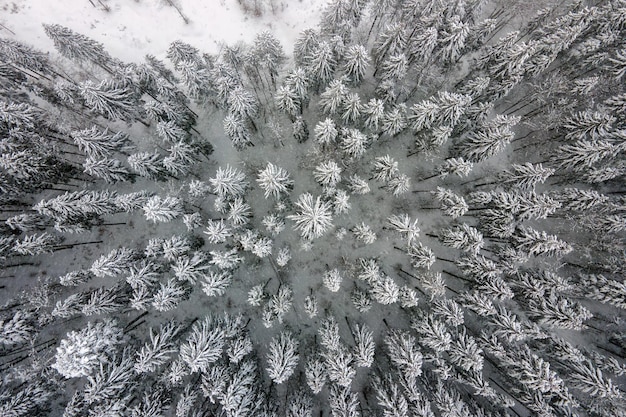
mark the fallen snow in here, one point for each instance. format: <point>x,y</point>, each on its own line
<point>134,28</point>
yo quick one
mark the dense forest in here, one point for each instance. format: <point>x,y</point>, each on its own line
<point>419,211</point>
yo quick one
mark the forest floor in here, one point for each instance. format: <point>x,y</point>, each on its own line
<point>131,29</point>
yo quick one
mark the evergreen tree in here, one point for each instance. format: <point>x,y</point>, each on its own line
<point>282,357</point>
<point>313,218</point>
<point>100,143</point>
<point>80,352</point>
<point>356,62</point>
<point>112,100</point>
<point>75,46</point>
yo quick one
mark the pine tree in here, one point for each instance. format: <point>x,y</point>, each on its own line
<point>351,108</point>
<point>526,176</point>
<point>327,174</point>
<point>237,131</point>
<point>165,209</point>
<point>100,143</point>
<point>356,62</point>
<point>239,212</point>
<point>75,46</point>
<point>589,379</point>
<point>357,185</point>
<point>158,351</point>
<point>374,111</point>
<point>539,243</point>
<point>204,345</point>
<point>402,224</point>
<point>364,233</point>
<point>343,402</point>
<point>316,376</point>
<point>110,170</point>
<point>384,290</point>
<point>282,357</point>
<point>146,164</point>
<point>16,330</point>
<point>229,182</point>
<point>394,121</point>
<point>274,181</point>
<point>170,131</point>
<point>463,237</point>
<point>300,130</point>
<point>451,204</point>
<point>399,184</point>
<point>111,99</point>
<point>353,143</point>
<point>332,280</point>
<point>325,132</point>
<point>36,244</point>
<point>117,262</point>
<point>23,55</point>
<point>287,100</point>
<point>403,352</point>
<point>364,346</point>
<point>313,218</point>
<point>321,63</point>
<point>332,99</point>
<point>80,352</point>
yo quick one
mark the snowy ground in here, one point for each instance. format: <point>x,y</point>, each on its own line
<point>132,29</point>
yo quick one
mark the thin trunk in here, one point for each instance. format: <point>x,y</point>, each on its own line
<point>139,317</point>
<point>72,245</point>
<point>171,3</point>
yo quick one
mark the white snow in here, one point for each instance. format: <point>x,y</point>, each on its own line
<point>134,28</point>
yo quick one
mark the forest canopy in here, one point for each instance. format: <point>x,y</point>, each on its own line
<point>419,211</point>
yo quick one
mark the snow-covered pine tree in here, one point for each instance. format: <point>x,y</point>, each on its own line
<point>364,233</point>
<point>100,143</point>
<point>527,175</point>
<point>146,164</point>
<point>327,174</point>
<point>315,373</point>
<point>77,47</point>
<point>274,181</point>
<point>332,280</point>
<point>81,351</point>
<point>111,99</point>
<point>229,182</point>
<point>204,345</point>
<point>236,129</point>
<point>310,306</point>
<point>282,357</point>
<point>300,129</point>
<point>169,295</point>
<point>352,108</point>
<point>16,330</point>
<point>385,168</point>
<point>451,204</point>
<point>365,346</point>
<point>321,63</point>
<point>108,169</point>
<point>36,244</point>
<point>158,351</point>
<point>313,217</point>
<point>159,209</point>
<point>325,132</point>
<point>287,100</point>
<point>402,224</point>
<point>353,143</point>
<point>539,242</point>
<point>356,62</point>
<point>457,166</point>
<point>464,237</point>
